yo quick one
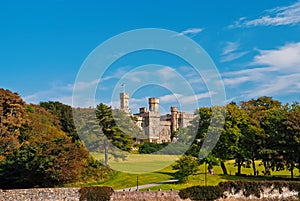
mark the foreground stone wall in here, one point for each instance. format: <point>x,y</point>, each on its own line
<point>147,196</point>
<point>40,194</point>
<point>72,194</point>
<point>267,194</point>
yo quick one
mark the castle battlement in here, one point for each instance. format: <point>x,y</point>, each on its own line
<point>156,127</point>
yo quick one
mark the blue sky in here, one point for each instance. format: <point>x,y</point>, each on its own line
<point>255,46</point>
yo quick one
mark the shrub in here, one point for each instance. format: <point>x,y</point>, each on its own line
<point>201,193</point>
<point>248,188</point>
<point>149,147</point>
<point>95,193</point>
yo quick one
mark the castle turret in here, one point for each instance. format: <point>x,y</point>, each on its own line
<point>174,119</point>
<point>124,102</point>
<point>143,110</point>
<point>153,104</point>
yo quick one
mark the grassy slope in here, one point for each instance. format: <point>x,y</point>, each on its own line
<point>143,163</point>
<point>199,179</point>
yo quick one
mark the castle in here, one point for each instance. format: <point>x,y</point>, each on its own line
<point>156,127</point>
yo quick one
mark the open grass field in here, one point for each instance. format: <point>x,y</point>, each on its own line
<point>211,180</point>
<point>142,163</point>
<point>139,163</point>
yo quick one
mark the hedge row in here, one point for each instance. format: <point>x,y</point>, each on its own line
<point>95,193</point>
<point>248,188</point>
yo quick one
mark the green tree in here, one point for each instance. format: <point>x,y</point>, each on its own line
<point>117,126</point>
<point>262,144</point>
<point>149,147</point>
<point>204,124</point>
<point>291,138</point>
<point>185,166</point>
<point>65,116</point>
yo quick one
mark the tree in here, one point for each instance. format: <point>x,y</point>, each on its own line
<point>230,144</point>
<point>185,166</point>
<point>117,126</point>
<point>262,144</point>
<point>12,119</point>
<point>64,114</point>
<point>204,124</point>
<point>47,157</point>
<point>149,147</point>
<point>291,138</point>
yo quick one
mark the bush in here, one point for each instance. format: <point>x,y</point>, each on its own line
<point>201,193</point>
<point>248,188</point>
<point>149,147</point>
<point>95,193</point>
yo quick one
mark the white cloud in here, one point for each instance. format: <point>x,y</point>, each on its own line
<point>285,84</point>
<point>191,31</point>
<point>230,47</point>
<point>64,94</point>
<point>285,15</point>
<point>116,75</point>
<point>183,99</point>
<point>235,81</point>
<point>197,97</point>
<point>52,94</point>
<point>167,71</point>
<point>233,56</point>
<point>230,52</point>
<point>170,98</point>
<point>278,74</point>
<point>285,57</point>
<point>83,85</point>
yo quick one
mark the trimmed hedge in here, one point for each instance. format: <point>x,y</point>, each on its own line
<point>248,188</point>
<point>95,193</point>
<point>201,193</point>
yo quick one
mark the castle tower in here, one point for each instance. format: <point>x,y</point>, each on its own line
<point>124,102</point>
<point>174,119</point>
<point>153,104</point>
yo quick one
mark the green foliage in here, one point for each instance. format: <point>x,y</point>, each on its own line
<point>94,171</point>
<point>208,193</point>
<point>88,129</point>
<point>47,156</point>
<point>95,193</point>
<point>259,129</point>
<point>185,166</point>
<point>117,127</point>
<point>248,188</point>
<point>149,147</point>
<point>64,114</point>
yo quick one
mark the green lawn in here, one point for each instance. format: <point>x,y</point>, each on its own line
<point>218,177</point>
<point>139,163</point>
<point>143,163</point>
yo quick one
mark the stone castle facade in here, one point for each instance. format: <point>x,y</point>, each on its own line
<point>157,127</point>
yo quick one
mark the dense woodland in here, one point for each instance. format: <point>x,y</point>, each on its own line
<point>260,129</point>
<point>40,145</point>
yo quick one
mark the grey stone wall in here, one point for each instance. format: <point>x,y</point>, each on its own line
<point>72,194</point>
<point>40,194</point>
<point>147,196</point>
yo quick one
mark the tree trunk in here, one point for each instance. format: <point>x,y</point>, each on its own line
<point>292,170</point>
<point>224,168</point>
<point>106,152</point>
<point>253,166</point>
<point>265,166</point>
<point>239,168</point>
